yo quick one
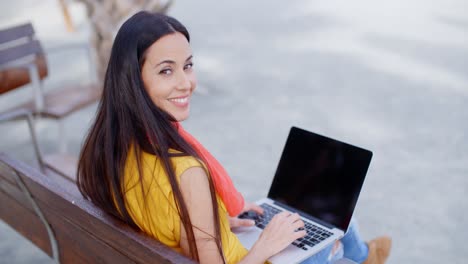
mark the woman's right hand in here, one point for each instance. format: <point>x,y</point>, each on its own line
<point>279,233</point>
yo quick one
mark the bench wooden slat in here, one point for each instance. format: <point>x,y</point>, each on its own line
<point>14,77</point>
<point>24,221</point>
<point>63,182</point>
<point>78,245</point>
<point>97,227</point>
<point>13,191</point>
<point>16,32</point>
<point>5,174</point>
<point>63,164</point>
<point>31,48</point>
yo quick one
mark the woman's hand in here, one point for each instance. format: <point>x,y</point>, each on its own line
<point>279,233</point>
<point>252,207</point>
<point>237,222</point>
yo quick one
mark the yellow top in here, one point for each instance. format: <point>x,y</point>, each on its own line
<point>159,218</point>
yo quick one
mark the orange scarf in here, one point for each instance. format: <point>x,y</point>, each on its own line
<point>233,200</point>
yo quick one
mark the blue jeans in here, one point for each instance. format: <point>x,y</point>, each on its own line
<point>354,248</point>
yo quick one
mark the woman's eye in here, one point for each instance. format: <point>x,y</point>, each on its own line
<point>166,72</point>
<point>188,66</point>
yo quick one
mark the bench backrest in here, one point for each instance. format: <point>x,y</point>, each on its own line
<point>84,233</point>
<point>18,43</point>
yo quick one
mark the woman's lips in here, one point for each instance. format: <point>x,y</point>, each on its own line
<point>180,101</point>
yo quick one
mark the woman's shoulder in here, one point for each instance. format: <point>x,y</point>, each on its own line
<point>152,165</point>
<point>183,162</point>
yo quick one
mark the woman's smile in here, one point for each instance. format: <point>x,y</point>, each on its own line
<point>180,101</point>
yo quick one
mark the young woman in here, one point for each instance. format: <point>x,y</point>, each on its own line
<point>140,165</point>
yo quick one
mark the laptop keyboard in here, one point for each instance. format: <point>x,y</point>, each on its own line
<point>314,235</point>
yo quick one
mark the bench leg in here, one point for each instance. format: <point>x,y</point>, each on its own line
<point>31,124</point>
<point>37,87</point>
<point>62,137</point>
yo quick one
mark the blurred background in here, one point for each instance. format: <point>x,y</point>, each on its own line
<point>388,76</point>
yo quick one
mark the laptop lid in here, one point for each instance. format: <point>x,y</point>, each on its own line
<point>320,176</point>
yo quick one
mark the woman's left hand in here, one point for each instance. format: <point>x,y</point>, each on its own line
<point>237,222</point>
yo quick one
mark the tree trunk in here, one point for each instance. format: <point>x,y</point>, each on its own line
<point>106,16</point>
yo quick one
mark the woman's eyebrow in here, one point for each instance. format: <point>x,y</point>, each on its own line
<point>171,61</point>
<point>165,61</point>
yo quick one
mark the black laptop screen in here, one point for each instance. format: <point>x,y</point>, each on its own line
<point>320,176</point>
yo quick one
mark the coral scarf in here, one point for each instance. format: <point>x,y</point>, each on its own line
<point>233,200</point>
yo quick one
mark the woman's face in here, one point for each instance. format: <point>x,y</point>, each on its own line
<point>168,75</point>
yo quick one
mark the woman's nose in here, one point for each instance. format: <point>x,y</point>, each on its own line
<point>184,81</point>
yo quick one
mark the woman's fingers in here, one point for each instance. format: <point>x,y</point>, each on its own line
<point>298,224</point>
<point>288,217</point>
<point>252,207</point>
<point>283,215</point>
<point>282,230</point>
<point>299,234</point>
<point>237,222</point>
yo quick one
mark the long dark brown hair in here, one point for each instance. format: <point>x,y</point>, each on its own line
<point>127,119</point>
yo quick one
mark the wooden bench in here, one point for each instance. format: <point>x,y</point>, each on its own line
<point>50,212</point>
<point>48,209</point>
<point>22,62</point>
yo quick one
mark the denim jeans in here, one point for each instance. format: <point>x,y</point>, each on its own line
<point>353,248</point>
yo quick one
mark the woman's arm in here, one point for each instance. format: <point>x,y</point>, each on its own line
<point>196,192</point>
<point>278,234</point>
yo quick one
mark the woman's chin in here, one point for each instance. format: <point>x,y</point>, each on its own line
<point>181,116</point>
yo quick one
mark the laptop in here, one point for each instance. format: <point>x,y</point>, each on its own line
<point>318,177</point>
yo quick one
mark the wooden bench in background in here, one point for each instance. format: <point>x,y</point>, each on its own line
<point>50,211</point>
<point>23,61</point>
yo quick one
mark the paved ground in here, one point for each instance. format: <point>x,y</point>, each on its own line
<point>391,77</point>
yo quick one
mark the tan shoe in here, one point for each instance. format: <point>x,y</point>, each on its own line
<point>379,249</point>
